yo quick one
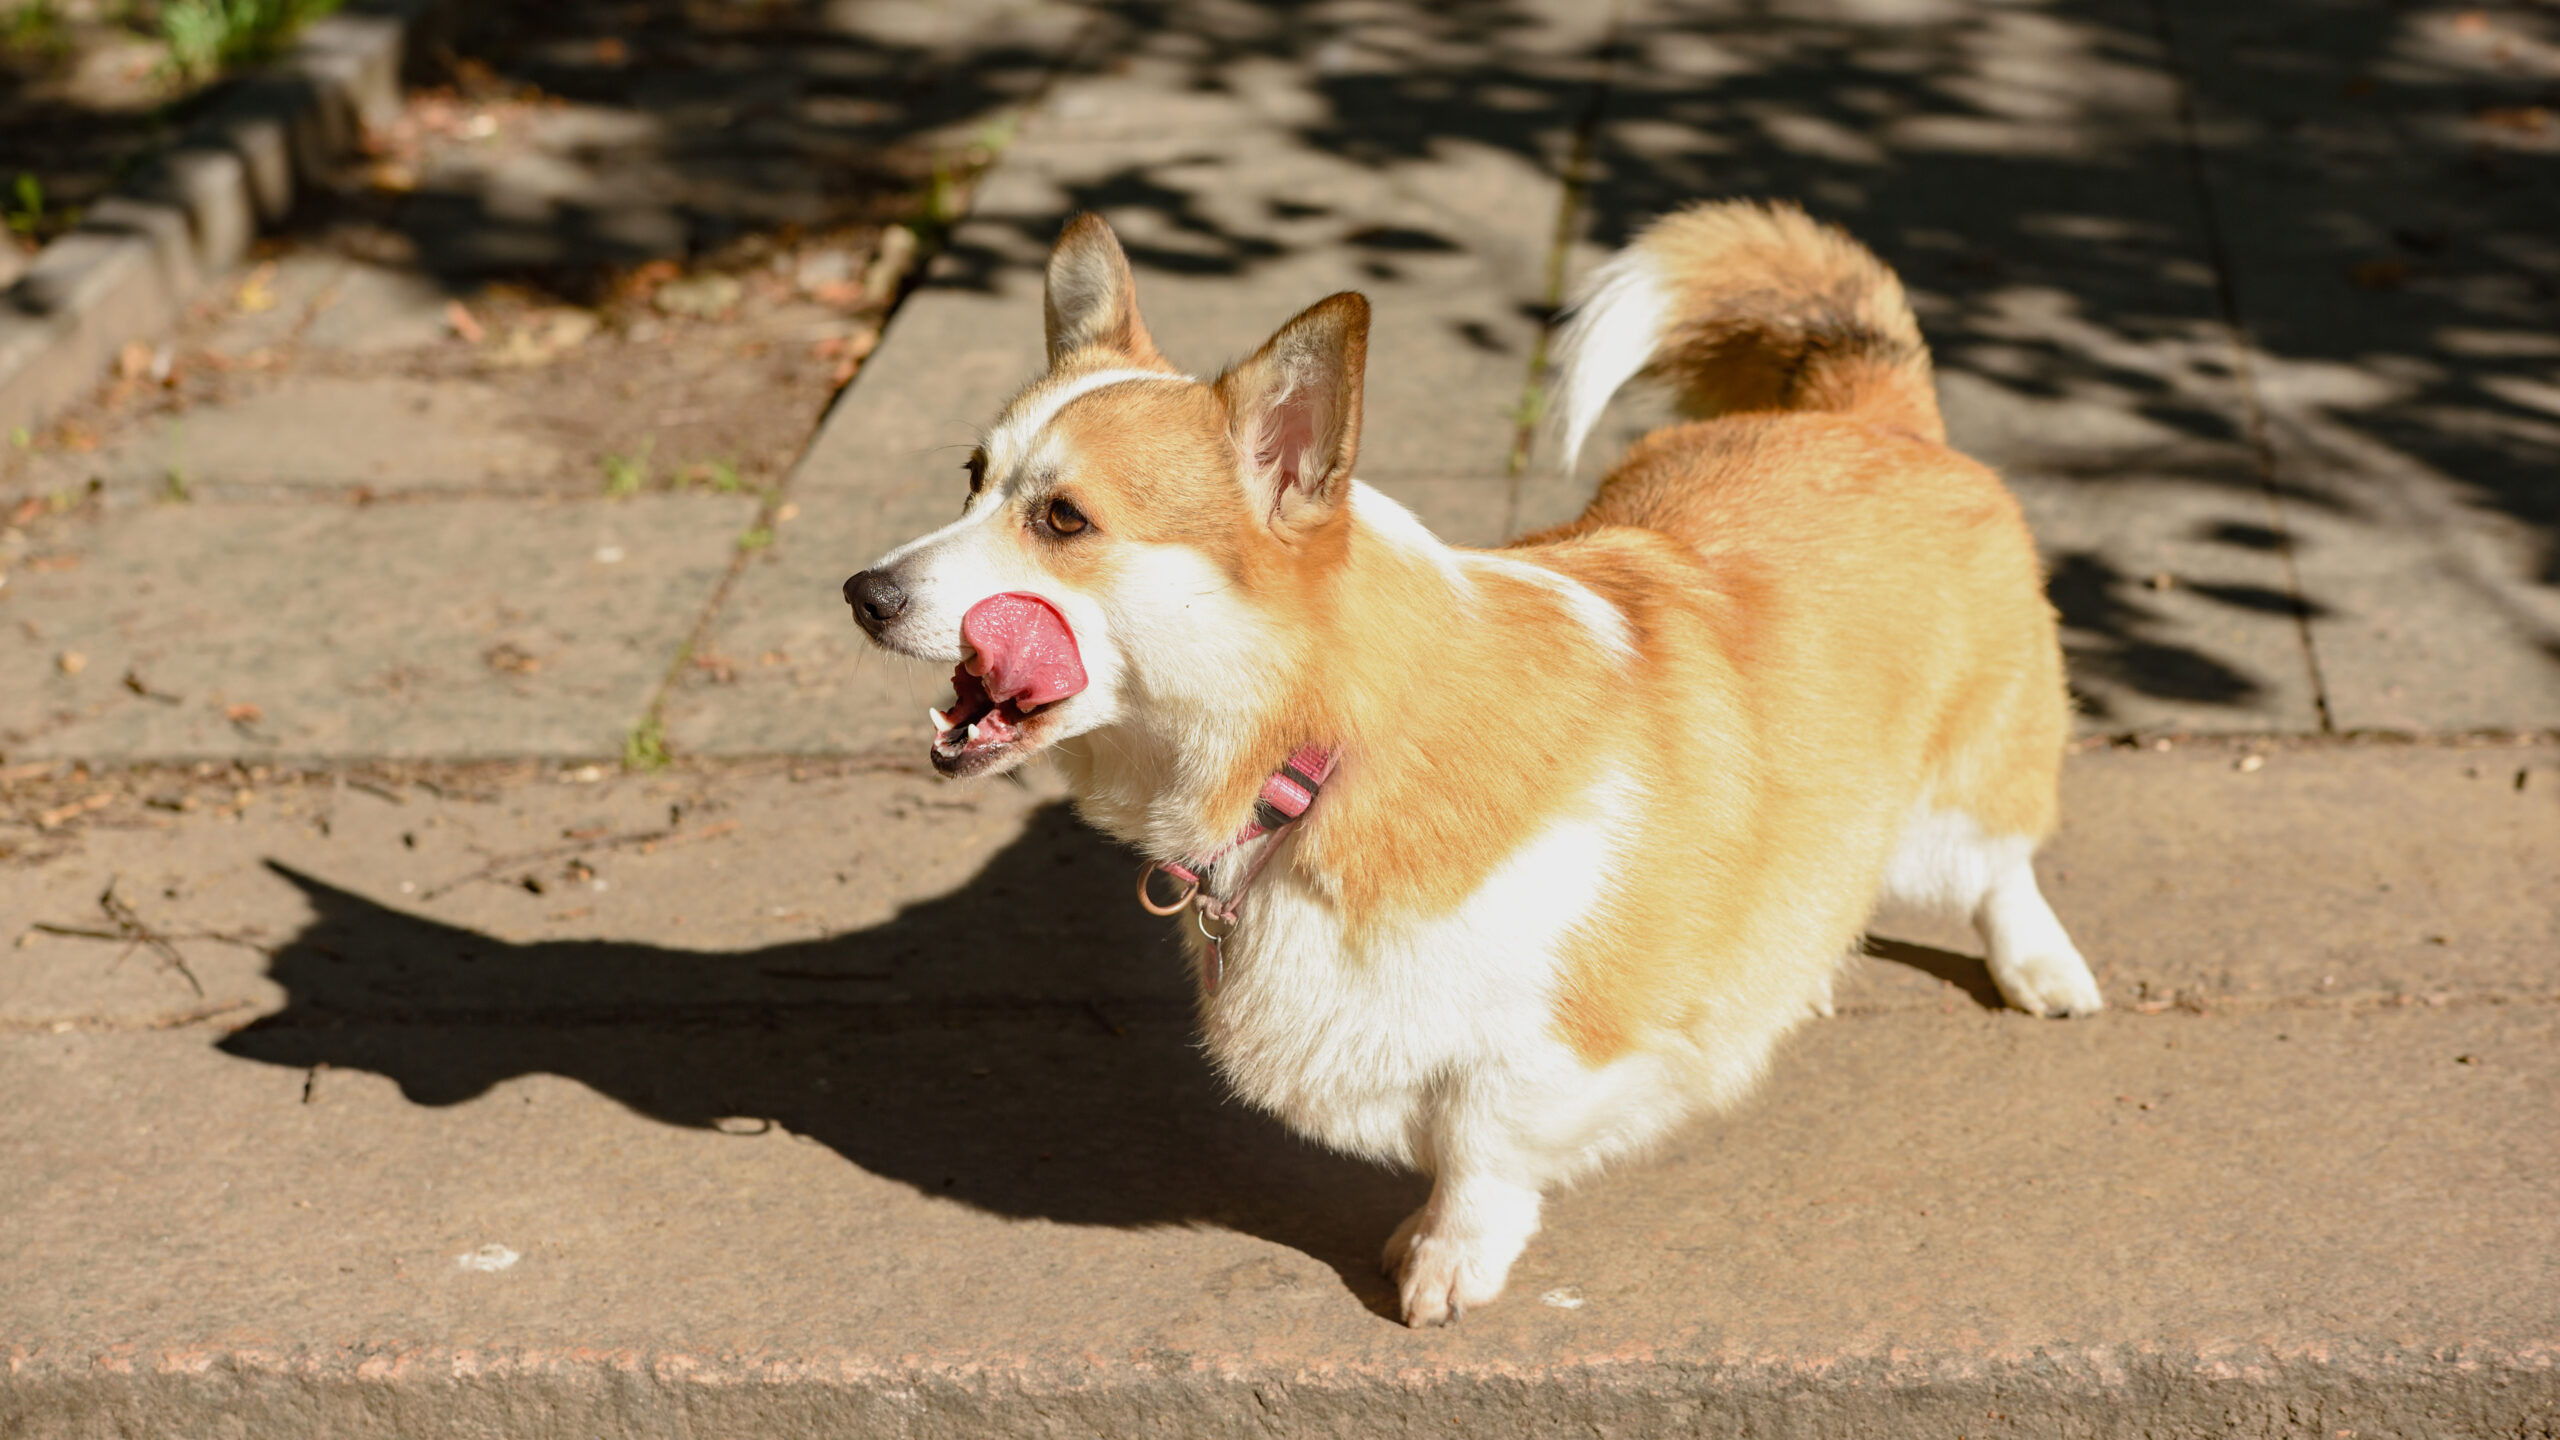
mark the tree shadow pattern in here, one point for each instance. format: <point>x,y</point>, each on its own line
<point>2044,174</point>
<point>2046,179</point>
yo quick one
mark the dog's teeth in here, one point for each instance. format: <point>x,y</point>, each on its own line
<point>969,734</point>
<point>941,722</point>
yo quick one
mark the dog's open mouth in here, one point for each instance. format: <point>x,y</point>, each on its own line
<point>1021,659</point>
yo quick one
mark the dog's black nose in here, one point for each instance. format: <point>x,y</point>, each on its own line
<point>875,598</point>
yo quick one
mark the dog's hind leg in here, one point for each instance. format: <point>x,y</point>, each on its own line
<point>1947,863</point>
<point>2032,960</point>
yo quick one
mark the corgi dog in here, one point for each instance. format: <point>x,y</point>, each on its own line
<point>1499,864</point>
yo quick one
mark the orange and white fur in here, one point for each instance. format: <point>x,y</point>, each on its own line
<point>1613,802</point>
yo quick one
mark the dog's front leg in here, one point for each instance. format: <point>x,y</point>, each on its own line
<point>1457,1250</point>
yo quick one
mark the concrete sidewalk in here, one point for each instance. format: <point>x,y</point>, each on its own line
<point>788,1091</point>
<point>861,1105</point>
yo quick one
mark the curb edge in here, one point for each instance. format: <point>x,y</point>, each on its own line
<point>133,263</point>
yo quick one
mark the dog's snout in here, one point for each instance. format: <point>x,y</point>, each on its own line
<point>876,599</point>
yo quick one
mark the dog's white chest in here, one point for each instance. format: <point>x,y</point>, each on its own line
<point>1354,1038</point>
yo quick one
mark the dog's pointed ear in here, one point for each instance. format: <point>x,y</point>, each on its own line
<point>1293,411</point>
<point>1092,299</point>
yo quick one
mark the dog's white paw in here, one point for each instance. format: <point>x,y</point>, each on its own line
<point>1440,1271</point>
<point>2048,982</point>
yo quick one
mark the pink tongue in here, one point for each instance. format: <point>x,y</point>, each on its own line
<point>1030,653</point>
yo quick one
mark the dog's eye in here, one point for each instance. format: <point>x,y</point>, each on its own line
<point>977,468</point>
<point>1063,518</point>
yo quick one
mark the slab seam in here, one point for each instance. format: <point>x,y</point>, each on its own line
<point>1575,183</point>
<point>2227,299</point>
<point>893,1016</point>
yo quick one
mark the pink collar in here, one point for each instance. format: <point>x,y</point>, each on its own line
<point>1286,795</point>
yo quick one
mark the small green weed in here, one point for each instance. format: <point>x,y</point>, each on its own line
<point>1532,407</point>
<point>35,31</point>
<point>719,476</point>
<point>945,196</point>
<point>204,36</point>
<point>645,748</point>
<point>624,475</point>
<point>995,135</point>
<point>756,538</point>
<point>26,204</point>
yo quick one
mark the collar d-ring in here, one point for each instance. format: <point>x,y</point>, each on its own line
<point>1190,888</point>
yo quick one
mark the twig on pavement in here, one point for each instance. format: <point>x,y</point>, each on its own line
<point>138,934</point>
<point>645,839</point>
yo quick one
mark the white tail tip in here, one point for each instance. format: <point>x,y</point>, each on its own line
<point>1609,336</point>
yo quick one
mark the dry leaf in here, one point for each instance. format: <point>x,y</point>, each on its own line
<point>545,337</point>
<point>254,296</point>
<point>2381,275</point>
<point>512,659</point>
<point>58,814</point>
<point>459,318</point>
<point>646,278</point>
<point>2522,119</point>
<point>703,297</point>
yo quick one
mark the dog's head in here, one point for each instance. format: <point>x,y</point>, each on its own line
<point>1133,539</point>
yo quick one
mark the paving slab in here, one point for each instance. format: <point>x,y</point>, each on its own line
<point>2388,183</point>
<point>460,629</point>
<point>2024,168</point>
<point>931,1152</point>
<point>367,309</point>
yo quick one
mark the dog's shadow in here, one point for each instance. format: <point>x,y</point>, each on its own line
<point>1023,1045</point>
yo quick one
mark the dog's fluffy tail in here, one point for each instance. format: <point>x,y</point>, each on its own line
<point>1745,306</point>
